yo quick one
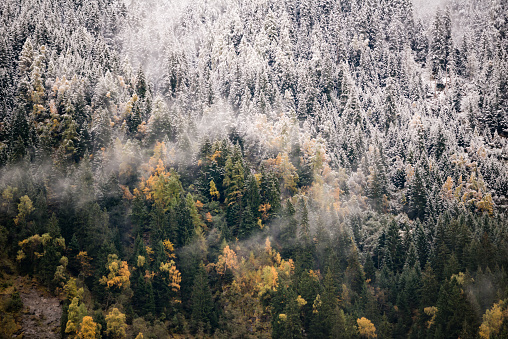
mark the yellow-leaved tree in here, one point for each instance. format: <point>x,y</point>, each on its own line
<point>493,320</point>
<point>447,189</point>
<point>119,274</point>
<point>161,187</point>
<point>173,275</point>
<point>168,269</point>
<point>214,193</point>
<point>285,170</point>
<point>77,312</point>
<point>254,276</point>
<point>71,290</point>
<point>8,197</point>
<point>35,247</point>
<point>116,325</point>
<point>84,262</point>
<point>88,328</point>
<point>431,311</point>
<point>227,259</point>
<point>25,207</point>
<point>366,328</point>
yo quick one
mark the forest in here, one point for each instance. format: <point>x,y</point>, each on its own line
<point>254,168</point>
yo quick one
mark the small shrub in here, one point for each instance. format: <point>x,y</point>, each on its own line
<point>14,304</point>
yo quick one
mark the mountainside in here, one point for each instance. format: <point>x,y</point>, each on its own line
<point>262,168</point>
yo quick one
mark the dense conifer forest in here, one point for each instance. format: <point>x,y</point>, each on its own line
<point>255,168</point>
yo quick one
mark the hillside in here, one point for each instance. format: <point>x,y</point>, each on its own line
<point>255,169</point>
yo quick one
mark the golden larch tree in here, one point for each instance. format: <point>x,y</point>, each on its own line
<point>366,328</point>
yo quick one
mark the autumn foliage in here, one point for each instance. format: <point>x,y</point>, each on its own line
<point>118,276</point>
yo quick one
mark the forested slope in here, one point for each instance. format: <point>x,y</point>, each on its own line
<point>262,168</point>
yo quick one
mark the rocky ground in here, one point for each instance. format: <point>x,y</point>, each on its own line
<point>40,317</point>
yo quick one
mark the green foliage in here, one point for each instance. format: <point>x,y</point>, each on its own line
<point>202,304</point>
<point>183,219</point>
<point>14,304</point>
<point>345,148</point>
<point>289,324</point>
<point>116,325</point>
<point>76,312</point>
<point>3,240</point>
<point>234,179</point>
<point>454,310</point>
<point>143,299</point>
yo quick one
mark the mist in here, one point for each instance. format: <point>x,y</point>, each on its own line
<point>263,168</point>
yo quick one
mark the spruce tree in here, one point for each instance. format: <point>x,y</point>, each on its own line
<point>202,314</point>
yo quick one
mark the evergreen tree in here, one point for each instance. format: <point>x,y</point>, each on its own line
<point>453,309</point>
<point>141,85</point>
<point>355,276</point>
<point>291,325</point>
<point>248,224</point>
<point>417,195</point>
<point>183,219</point>
<point>270,191</point>
<point>393,247</point>
<point>304,221</point>
<point>203,315</point>
<point>370,270</point>
<point>441,43</point>
<point>289,230</point>
<point>430,287</point>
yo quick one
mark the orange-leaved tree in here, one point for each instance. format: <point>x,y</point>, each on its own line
<point>88,328</point>
<point>119,274</point>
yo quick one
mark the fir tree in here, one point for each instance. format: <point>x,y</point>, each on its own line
<point>202,303</point>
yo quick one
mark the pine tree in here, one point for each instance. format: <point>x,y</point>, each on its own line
<point>270,191</point>
<point>430,286</point>
<point>441,43</point>
<point>248,223</point>
<point>183,219</point>
<point>377,183</point>
<point>133,115</point>
<point>393,247</point>
<point>304,220</point>
<point>454,309</point>
<point>408,298</point>
<point>417,195</point>
<point>252,195</point>
<point>343,326</point>
<point>160,125</point>
<point>355,276</point>
<point>325,310</point>
<point>370,270</point>
<point>289,230</point>
<point>141,85</point>
<point>202,303</point>
<point>290,319</point>
<point>412,260</point>
<point>234,189</point>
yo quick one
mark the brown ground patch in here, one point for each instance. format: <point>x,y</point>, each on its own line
<point>40,317</point>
